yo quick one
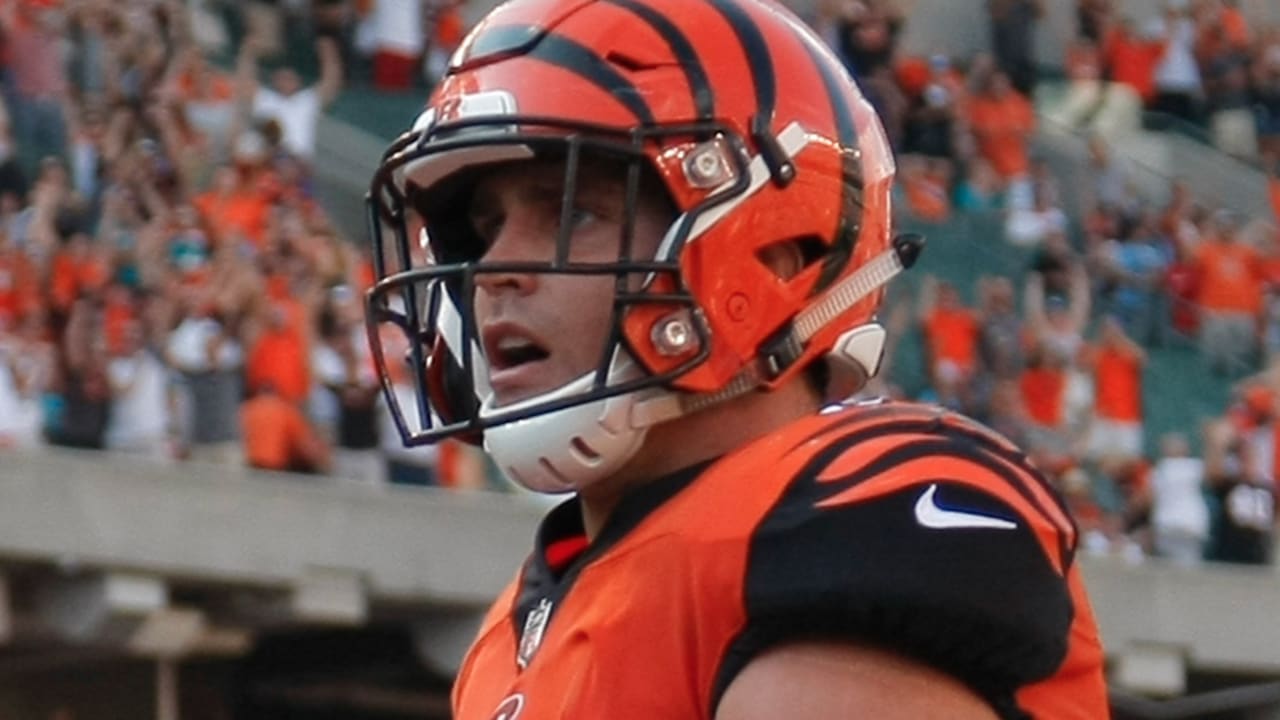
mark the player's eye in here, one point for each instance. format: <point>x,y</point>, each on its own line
<point>486,225</point>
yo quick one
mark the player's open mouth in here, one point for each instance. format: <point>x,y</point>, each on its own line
<point>511,351</point>
<point>516,359</point>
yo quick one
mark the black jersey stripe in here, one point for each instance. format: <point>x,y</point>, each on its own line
<point>686,55</point>
<point>947,440</point>
<point>586,64</point>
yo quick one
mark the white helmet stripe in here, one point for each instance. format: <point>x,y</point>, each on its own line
<point>793,139</point>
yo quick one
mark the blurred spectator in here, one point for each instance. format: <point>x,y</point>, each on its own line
<point>235,204</point>
<point>205,96</point>
<point>1230,298</point>
<point>1002,121</point>
<point>92,149</point>
<point>37,77</point>
<point>278,436</point>
<point>1000,339</point>
<point>1224,64</point>
<point>208,359</point>
<point>951,337</point>
<point>1006,413</point>
<point>1130,57</point>
<point>1179,514</point>
<point>82,394</point>
<point>1115,435</point>
<point>1013,34</point>
<point>890,102</point>
<point>926,182</point>
<point>277,337</point>
<point>1266,97</point>
<point>868,35</point>
<point>1042,386</point>
<point>980,190</point>
<point>348,389</point>
<point>1056,303</point>
<point>446,20</point>
<point>1243,517</point>
<point>391,31</point>
<point>1093,17</point>
<point>26,362</point>
<point>1033,226</point>
<point>933,120</point>
<point>1182,282</point>
<point>1112,178</point>
<point>1135,266</point>
<point>19,284</point>
<point>13,179</point>
<point>1086,89</point>
<point>1179,91</point>
<point>139,421</point>
<point>295,107</point>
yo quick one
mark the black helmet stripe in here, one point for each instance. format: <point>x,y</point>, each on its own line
<point>758,57</point>
<point>764,77</point>
<point>846,131</point>
<point>699,85</point>
<point>581,61</point>
<point>851,189</point>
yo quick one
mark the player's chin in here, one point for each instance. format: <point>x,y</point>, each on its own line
<point>514,385</point>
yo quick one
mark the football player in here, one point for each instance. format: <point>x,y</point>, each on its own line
<point>635,248</point>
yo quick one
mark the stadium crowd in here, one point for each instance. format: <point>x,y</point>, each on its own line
<point>170,286</point>
<point>1054,355</point>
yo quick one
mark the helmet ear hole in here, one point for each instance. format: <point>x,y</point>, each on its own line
<point>788,258</point>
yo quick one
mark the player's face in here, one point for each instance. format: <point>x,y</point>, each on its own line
<point>542,330</point>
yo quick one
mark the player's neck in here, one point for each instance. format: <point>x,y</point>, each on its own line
<point>693,439</point>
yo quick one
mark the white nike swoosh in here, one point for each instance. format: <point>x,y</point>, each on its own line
<point>930,515</point>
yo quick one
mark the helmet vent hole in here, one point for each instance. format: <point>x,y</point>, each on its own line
<point>553,472</point>
<point>630,63</point>
<point>788,258</point>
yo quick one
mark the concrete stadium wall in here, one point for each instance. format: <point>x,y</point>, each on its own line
<point>455,550</point>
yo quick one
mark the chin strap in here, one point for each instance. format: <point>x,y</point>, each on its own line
<point>871,277</point>
<point>789,344</point>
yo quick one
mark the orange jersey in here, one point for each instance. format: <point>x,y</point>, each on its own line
<point>897,525</point>
<point>1118,383</point>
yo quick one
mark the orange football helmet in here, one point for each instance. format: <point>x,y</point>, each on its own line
<point>759,137</point>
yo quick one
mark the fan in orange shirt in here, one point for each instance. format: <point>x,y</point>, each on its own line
<point>1131,59</point>
<point>926,183</point>
<point>77,268</point>
<point>278,355</point>
<point>1116,431</point>
<point>232,206</point>
<point>1043,383</point>
<point>19,287</point>
<point>1002,120</point>
<point>1231,274</point>
<point>277,436</point>
<point>951,335</point>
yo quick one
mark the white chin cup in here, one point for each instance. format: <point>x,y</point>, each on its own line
<point>565,450</point>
